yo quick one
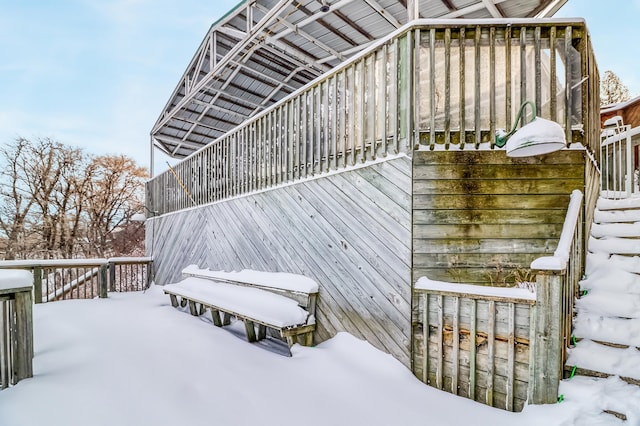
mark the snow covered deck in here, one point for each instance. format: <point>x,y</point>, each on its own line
<point>133,360</point>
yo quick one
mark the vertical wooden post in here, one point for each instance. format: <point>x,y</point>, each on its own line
<point>37,284</point>
<point>112,276</point>
<point>150,274</point>
<point>23,337</point>
<point>545,366</point>
<point>4,342</point>
<point>102,282</point>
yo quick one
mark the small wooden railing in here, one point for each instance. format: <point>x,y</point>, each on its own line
<point>502,346</point>
<point>16,328</point>
<point>84,278</point>
<point>474,341</point>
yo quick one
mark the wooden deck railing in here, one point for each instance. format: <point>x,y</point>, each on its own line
<point>440,83</point>
<point>502,346</point>
<point>474,341</point>
<point>84,278</point>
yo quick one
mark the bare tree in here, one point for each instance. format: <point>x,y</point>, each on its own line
<point>58,202</point>
<point>612,90</point>
<point>15,200</point>
<point>114,194</point>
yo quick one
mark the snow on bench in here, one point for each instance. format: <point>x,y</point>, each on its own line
<point>279,301</point>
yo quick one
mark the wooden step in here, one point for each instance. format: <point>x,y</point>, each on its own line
<point>616,216</point>
<point>612,278</point>
<point>605,343</point>
<point>607,396</point>
<point>616,414</point>
<point>623,204</point>
<point>626,263</point>
<point>606,360</point>
<point>568,369</point>
<point>625,230</point>
<point>609,304</point>
<point>614,245</point>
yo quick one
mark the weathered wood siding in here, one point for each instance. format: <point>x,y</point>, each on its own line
<point>480,217</point>
<point>477,347</point>
<point>350,231</point>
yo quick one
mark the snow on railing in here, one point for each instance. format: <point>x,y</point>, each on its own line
<point>84,278</point>
<point>560,257</point>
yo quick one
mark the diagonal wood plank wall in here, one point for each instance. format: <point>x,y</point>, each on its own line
<point>481,218</point>
<point>350,231</point>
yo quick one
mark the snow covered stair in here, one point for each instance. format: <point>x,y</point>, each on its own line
<point>607,323</point>
<point>278,301</point>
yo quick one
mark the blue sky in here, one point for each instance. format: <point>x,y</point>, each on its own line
<point>97,73</point>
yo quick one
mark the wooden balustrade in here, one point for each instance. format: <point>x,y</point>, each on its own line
<point>84,278</point>
<point>440,84</point>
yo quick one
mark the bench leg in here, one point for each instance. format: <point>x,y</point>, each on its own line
<point>183,302</point>
<point>215,316</point>
<point>226,319</point>
<point>251,331</point>
<point>308,339</point>
<point>262,331</point>
<point>192,308</point>
<point>291,340</point>
<point>203,309</point>
<point>174,300</point>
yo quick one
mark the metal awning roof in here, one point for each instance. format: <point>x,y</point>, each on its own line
<point>264,50</point>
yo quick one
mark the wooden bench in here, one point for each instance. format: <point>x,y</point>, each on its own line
<point>281,302</point>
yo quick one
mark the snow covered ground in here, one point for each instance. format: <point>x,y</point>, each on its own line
<point>132,359</point>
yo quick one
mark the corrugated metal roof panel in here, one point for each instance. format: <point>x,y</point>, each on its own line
<point>297,45</point>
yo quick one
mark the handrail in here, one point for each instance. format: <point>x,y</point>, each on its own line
<point>557,284</point>
<point>558,261</point>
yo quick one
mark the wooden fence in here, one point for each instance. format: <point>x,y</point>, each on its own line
<point>438,83</point>
<point>474,344</point>
<point>84,278</point>
<point>502,346</point>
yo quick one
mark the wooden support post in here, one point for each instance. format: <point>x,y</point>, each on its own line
<point>37,284</point>
<point>545,365</point>
<point>112,276</point>
<point>226,318</point>
<point>23,337</point>
<point>308,339</point>
<point>4,342</point>
<point>102,282</point>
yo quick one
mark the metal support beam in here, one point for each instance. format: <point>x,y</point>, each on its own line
<point>491,7</point>
<point>382,12</point>
<point>268,19</point>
